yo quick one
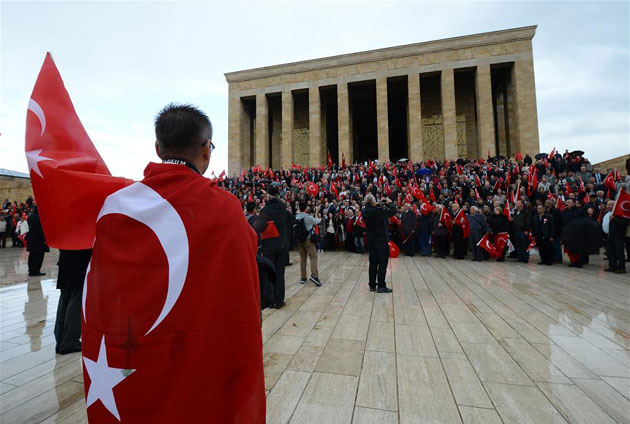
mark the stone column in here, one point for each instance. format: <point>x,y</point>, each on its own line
<point>485,114</point>
<point>414,119</point>
<point>448,114</point>
<point>343,123</point>
<point>235,136</point>
<point>382,120</point>
<point>287,129</point>
<point>317,151</point>
<point>525,107</point>
<point>261,149</point>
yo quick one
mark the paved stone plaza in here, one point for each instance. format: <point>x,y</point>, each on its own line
<point>457,341</point>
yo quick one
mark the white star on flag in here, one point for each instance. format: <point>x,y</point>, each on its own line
<point>103,379</point>
<point>33,158</point>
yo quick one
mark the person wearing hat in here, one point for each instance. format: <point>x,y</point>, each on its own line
<point>275,248</point>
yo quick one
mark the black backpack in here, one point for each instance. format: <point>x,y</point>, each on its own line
<point>300,233</point>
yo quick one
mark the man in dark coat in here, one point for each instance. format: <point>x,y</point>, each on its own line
<point>569,214</point>
<point>408,229</point>
<point>425,224</point>
<point>441,234</point>
<point>521,226</point>
<point>499,224</point>
<point>72,267</point>
<point>544,232</point>
<point>274,248</point>
<point>36,245</point>
<point>376,218</point>
<point>478,227</point>
<point>557,220</point>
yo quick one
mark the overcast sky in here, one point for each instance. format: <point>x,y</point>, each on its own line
<point>122,61</point>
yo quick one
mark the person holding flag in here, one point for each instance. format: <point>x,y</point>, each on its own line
<point>441,231</point>
<point>376,218</point>
<point>171,323</point>
<point>499,224</point>
<point>521,227</point>
<point>478,228</point>
<point>460,232</point>
<point>544,234</point>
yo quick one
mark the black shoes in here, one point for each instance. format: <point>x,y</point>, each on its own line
<point>372,289</point>
<point>620,271</point>
<point>65,351</point>
<point>610,270</point>
<point>315,280</point>
<point>383,290</point>
<point>302,280</point>
<point>36,274</point>
<point>279,305</point>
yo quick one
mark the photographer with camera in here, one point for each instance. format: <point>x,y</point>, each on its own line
<point>376,217</point>
<point>307,240</point>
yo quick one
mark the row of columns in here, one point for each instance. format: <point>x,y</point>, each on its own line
<point>525,111</point>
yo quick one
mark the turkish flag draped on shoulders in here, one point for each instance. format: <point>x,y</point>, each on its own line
<point>171,329</point>
<point>70,179</point>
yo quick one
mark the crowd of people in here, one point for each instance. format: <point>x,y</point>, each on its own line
<point>486,209</point>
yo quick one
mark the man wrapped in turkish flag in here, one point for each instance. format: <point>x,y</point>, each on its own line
<point>171,320</point>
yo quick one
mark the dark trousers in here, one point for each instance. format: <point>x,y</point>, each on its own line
<point>459,247</point>
<point>614,250</point>
<point>545,248</point>
<point>3,240</point>
<point>279,261</point>
<point>409,246</point>
<point>557,250</point>
<point>68,323</point>
<point>424,240</point>
<point>442,248</point>
<point>521,245</point>
<point>379,256</point>
<point>35,260</point>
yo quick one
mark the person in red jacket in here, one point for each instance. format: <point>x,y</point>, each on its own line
<point>171,319</point>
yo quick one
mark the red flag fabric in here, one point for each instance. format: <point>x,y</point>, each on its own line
<point>360,221</point>
<point>609,181</point>
<point>394,250</point>
<point>622,204</point>
<point>343,160</point>
<point>386,189</point>
<point>312,189</point>
<point>506,210</point>
<point>532,244</point>
<point>461,220</point>
<point>567,188</point>
<point>426,208</point>
<point>446,219</point>
<point>552,153</point>
<point>432,195</point>
<point>334,190</point>
<point>519,156</point>
<point>271,231</point>
<point>486,244</point>
<point>560,204</point>
<point>500,241</point>
<point>160,343</point>
<point>330,161</point>
<point>70,179</point>
<point>397,182</point>
<point>417,193</point>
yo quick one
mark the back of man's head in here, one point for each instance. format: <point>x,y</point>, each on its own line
<point>370,200</point>
<point>303,206</point>
<point>251,207</point>
<point>181,130</point>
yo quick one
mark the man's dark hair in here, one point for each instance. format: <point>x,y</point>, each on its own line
<point>181,129</point>
<point>251,207</point>
<point>302,206</point>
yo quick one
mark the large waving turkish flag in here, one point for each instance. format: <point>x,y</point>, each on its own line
<point>70,179</point>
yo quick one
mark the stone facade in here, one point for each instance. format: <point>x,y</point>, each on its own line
<point>465,96</point>
<point>15,188</point>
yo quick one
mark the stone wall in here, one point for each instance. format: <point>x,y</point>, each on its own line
<point>619,162</point>
<point>14,188</point>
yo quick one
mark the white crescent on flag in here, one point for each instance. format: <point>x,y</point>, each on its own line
<point>34,107</point>
<point>141,203</point>
<point>625,205</point>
